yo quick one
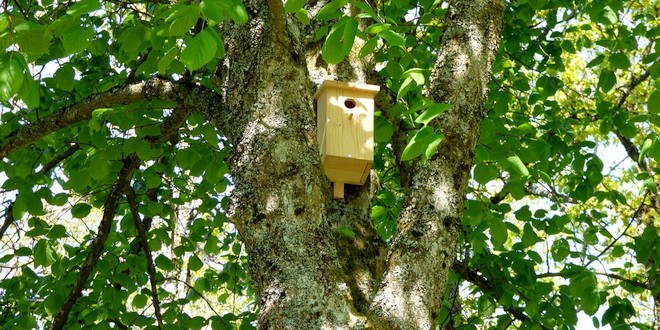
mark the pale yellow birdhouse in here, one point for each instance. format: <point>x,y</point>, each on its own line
<point>346,132</point>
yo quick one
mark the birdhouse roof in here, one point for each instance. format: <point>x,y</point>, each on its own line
<point>332,84</point>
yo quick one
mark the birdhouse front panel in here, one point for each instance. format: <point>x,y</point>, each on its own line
<point>346,130</point>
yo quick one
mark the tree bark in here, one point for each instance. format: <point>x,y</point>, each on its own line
<point>305,276</point>
<point>424,247</point>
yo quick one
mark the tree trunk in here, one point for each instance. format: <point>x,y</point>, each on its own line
<point>305,275</point>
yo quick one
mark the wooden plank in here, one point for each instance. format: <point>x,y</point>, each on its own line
<point>338,190</point>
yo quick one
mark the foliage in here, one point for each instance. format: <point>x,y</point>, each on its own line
<point>561,219</point>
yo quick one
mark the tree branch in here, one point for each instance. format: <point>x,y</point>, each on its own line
<point>424,246</point>
<point>9,219</point>
<point>60,157</point>
<point>472,276</point>
<point>109,208</point>
<point>61,118</point>
<point>614,276</point>
<point>169,127</point>
<point>130,196</point>
<point>195,98</point>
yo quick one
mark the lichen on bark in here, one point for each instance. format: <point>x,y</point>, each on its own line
<point>304,273</point>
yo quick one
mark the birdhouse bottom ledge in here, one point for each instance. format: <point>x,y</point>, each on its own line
<point>344,170</point>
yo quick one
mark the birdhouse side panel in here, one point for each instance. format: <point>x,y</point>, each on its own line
<point>321,119</point>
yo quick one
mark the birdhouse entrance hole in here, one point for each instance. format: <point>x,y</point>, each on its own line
<point>345,123</point>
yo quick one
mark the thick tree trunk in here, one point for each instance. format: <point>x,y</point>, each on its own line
<point>424,247</point>
<point>306,276</point>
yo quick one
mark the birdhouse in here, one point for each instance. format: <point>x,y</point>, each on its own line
<point>345,133</point>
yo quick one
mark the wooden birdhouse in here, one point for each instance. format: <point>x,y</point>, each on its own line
<point>345,133</point>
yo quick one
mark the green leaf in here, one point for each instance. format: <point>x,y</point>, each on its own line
<point>64,78</point>
<point>369,47</point>
<point>182,19</point>
<point>12,75</point>
<point>383,129</point>
<point>303,16</point>
<point>594,171</point>
<point>164,62</point>
<point>393,38</point>
<point>194,263</point>
<point>607,16</point>
<point>99,167</point>
<point>77,39</point>
<point>187,158</point>
<point>218,10</point>
<point>58,231</point>
<point>606,80</point>
<point>292,6</point>
<point>53,303</point>
<point>537,4</point>
<point>498,232</point>
<point>405,86</point>
<point>164,263</point>
<point>32,38</point>
<point>377,28</point>
<point>394,69</point>
<point>350,30</point>
<point>211,245</point>
<point>424,142</point>
<point>348,232</point>
<point>133,37</point>
<point>529,236</point>
<point>517,164</point>
<point>653,104</point>
<point>620,61</point>
<point>432,112</point>
<point>139,301</point>
<point>29,92</point>
<point>618,251</point>
<point>332,51</point>
<point>83,7</point>
<point>330,10</point>
<point>27,201</point>
<point>214,10</point>
<point>59,199</point>
<point>646,146</point>
<point>484,173</point>
<point>199,50</point>
<point>44,254</point>
<point>590,302</point>
<point>237,11</point>
<point>560,249</point>
<point>433,146</point>
<point>597,60</point>
<point>417,75</point>
<point>339,41</point>
<point>80,210</point>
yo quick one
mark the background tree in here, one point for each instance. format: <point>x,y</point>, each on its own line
<point>160,167</point>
